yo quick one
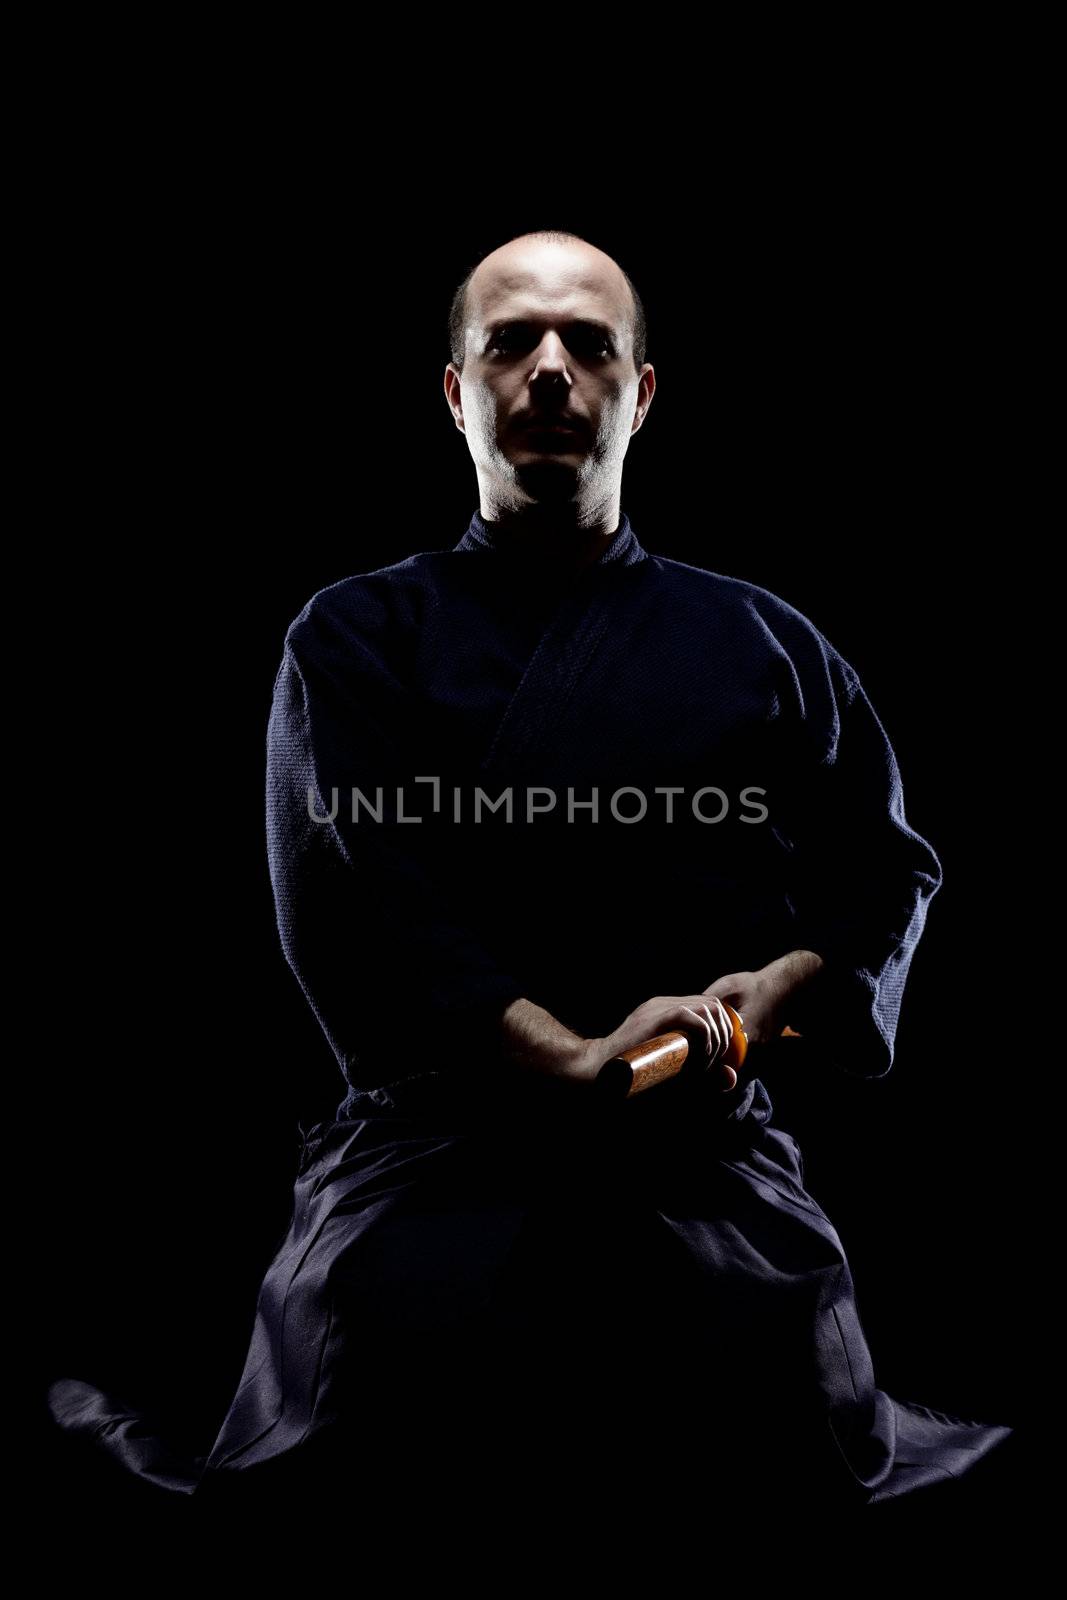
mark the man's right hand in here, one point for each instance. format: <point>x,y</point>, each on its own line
<point>702,1018</point>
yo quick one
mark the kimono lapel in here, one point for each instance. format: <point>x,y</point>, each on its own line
<point>565,650</point>
<point>560,661</point>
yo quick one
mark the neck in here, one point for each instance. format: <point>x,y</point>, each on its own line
<point>557,531</point>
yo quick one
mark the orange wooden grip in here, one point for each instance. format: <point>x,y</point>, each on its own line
<point>632,1071</point>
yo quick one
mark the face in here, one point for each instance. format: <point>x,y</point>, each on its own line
<point>549,397</point>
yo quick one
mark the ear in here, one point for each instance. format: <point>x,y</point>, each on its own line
<point>646,388</point>
<point>454,394</point>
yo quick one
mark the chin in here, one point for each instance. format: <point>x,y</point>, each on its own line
<point>547,479</point>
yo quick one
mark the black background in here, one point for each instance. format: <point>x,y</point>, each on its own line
<point>240,383</point>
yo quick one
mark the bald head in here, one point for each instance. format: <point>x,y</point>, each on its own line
<point>547,382</point>
<point>546,262</point>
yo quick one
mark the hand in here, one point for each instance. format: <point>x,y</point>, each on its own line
<point>701,1017</point>
<point>761,997</point>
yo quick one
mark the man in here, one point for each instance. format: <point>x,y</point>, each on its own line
<point>533,801</point>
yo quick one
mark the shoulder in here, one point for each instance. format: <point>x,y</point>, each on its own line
<point>373,610</point>
<point>754,618</point>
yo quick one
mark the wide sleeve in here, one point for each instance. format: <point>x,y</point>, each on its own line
<point>861,877</point>
<point>399,982</point>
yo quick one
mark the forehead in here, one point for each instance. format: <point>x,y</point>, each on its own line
<point>535,281</point>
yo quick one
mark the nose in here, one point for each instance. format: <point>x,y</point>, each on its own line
<point>550,370</point>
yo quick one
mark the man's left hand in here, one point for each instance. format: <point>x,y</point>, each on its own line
<point>761,997</point>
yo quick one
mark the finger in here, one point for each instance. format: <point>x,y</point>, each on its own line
<point>719,1018</point>
<point>724,1030</point>
<point>707,1036</point>
<point>725,1027</point>
<point>716,1047</point>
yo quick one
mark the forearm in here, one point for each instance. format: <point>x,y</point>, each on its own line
<point>793,972</point>
<point>796,979</point>
<point>769,997</point>
<point>536,1041</point>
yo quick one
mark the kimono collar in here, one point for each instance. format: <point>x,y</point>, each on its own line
<point>624,550</point>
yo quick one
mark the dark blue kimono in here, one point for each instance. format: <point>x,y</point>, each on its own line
<point>460,1204</point>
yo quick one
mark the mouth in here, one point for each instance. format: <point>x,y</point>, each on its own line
<point>551,430</point>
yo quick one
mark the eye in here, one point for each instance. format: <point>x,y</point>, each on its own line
<point>506,339</point>
<point>589,341</point>
<point>581,340</point>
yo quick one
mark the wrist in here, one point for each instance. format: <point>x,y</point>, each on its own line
<point>587,1059</point>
